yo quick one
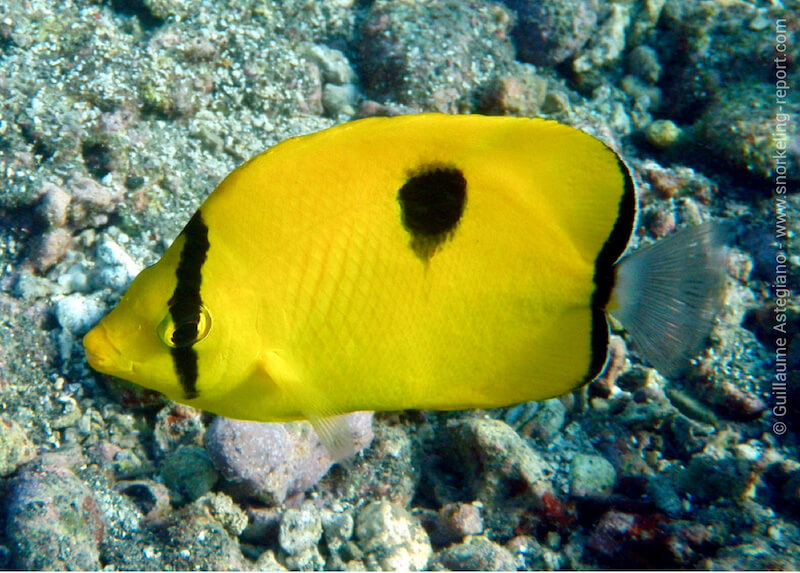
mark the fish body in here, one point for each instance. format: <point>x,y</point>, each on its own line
<point>430,261</point>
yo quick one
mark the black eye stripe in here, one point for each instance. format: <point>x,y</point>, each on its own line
<point>185,303</point>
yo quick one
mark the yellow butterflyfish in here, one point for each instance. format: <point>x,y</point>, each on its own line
<point>428,261</point>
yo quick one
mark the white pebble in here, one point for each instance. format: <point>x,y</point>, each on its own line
<point>119,269</point>
<point>78,313</point>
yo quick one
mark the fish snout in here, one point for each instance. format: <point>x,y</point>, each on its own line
<point>102,354</point>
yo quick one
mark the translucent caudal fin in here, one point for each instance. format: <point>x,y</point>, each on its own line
<point>667,294</point>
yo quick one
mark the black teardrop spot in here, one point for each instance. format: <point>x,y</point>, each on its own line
<point>432,201</point>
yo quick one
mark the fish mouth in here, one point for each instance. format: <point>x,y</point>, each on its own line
<point>102,354</point>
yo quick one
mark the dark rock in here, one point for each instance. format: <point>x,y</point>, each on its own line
<point>549,32</point>
<point>629,540</point>
<point>262,525</point>
<point>740,130</point>
<point>790,492</point>
<point>717,473</point>
<point>663,494</point>
<point>188,472</point>
<point>52,520</point>
<point>433,55</point>
<point>706,46</point>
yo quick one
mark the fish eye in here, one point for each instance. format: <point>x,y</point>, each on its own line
<point>181,327</point>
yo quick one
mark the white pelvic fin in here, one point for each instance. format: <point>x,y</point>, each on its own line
<point>332,428</point>
<point>667,294</point>
<point>335,434</point>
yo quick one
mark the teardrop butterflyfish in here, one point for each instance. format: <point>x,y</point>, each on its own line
<point>417,262</point>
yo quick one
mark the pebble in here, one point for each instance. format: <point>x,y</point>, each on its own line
<point>118,269</point>
<point>268,562</point>
<point>196,540</point>
<point>662,492</point>
<point>225,511</point>
<point>338,527</point>
<point>606,44</point>
<point>339,100</point>
<point>591,477</point>
<point>504,472</point>
<point>548,420</point>
<point>54,205</point>
<point>333,64</point>
<point>151,497</point>
<point>729,399</point>
<point>188,473</point>
<point>52,519</point>
<point>663,133</point>
<point>16,448</point>
<point>74,279</point>
<point>659,222</point>
<point>51,247</point>
<point>643,63</point>
<point>269,461</point>
<point>477,554</point>
<point>613,539</point>
<point>548,32</point>
<point>299,533</point>
<point>300,529</point>
<point>391,538</point>
<point>455,521</point>
<point>31,287</point>
<point>519,93</point>
<point>78,313</point>
<point>177,425</point>
<point>91,201</point>
<point>646,98</point>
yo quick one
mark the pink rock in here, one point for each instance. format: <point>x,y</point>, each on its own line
<point>270,461</point>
